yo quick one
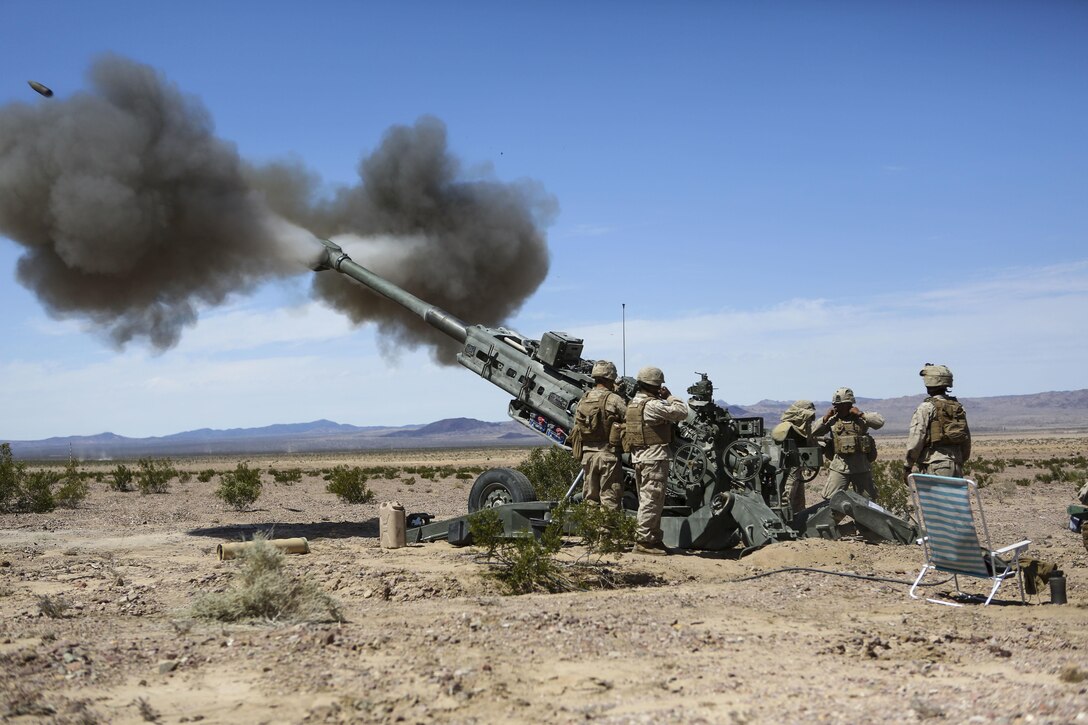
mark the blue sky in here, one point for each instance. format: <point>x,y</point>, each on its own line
<point>788,196</point>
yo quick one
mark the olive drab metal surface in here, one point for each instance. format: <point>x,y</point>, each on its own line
<point>727,478</point>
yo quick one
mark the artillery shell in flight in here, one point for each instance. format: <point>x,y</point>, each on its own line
<point>42,89</point>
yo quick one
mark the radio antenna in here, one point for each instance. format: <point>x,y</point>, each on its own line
<point>623,334</point>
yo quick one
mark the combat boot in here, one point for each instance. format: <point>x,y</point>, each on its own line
<point>651,549</point>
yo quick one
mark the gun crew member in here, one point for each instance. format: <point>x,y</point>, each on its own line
<point>598,426</point>
<point>796,425</point>
<point>940,440</point>
<point>647,434</point>
<point>855,449</point>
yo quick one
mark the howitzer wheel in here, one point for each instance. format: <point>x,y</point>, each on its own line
<point>499,486</point>
<point>689,465</point>
<point>742,460</point>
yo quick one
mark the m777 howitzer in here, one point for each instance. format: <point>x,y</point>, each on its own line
<point>727,480</point>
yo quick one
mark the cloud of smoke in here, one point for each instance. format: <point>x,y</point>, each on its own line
<point>135,215</point>
<point>474,248</point>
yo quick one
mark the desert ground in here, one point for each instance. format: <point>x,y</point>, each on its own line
<point>97,626</point>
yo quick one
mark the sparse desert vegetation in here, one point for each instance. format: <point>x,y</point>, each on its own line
<point>117,610</point>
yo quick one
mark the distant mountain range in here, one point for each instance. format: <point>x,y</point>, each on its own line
<point>1066,410</point>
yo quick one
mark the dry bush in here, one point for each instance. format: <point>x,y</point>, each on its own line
<point>521,563</point>
<point>22,490</point>
<point>121,478</point>
<point>551,471</point>
<point>241,487</point>
<point>349,484</point>
<point>52,607</point>
<point>263,590</point>
<point>154,475</point>
<point>73,488</point>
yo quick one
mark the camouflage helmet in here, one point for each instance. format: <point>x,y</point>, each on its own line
<point>936,376</point>
<point>843,395</point>
<point>799,413</point>
<point>651,376</point>
<point>604,369</point>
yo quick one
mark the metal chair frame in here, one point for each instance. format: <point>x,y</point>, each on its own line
<point>952,542</point>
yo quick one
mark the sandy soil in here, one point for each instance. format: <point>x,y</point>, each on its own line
<point>426,638</point>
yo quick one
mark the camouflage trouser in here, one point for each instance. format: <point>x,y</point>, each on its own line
<point>946,467</point>
<point>860,482</point>
<point>650,478</point>
<point>795,490</point>
<point>603,480</point>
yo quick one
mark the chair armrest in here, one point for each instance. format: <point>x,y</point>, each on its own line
<point>1018,546</point>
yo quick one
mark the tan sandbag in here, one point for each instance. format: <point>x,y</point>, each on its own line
<point>391,531</point>
<point>233,550</point>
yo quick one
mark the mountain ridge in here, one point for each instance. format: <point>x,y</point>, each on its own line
<point>1047,411</point>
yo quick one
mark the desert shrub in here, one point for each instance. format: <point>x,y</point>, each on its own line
<point>154,475</point>
<point>892,491</point>
<point>36,491</point>
<point>487,530</point>
<point>121,478</point>
<point>73,488</point>
<point>286,477</point>
<point>385,472</point>
<point>11,477</point>
<point>184,476</point>
<point>264,590</point>
<point>349,484</point>
<point>241,487</point>
<point>524,563</point>
<point>147,712</point>
<point>206,475</point>
<point>603,530</point>
<point>1063,470</point>
<point>52,607</point>
<point>983,465</point>
<point>551,471</point>
<point>33,491</point>
<point>464,476</point>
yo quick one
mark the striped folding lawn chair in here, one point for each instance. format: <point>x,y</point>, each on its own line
<point>951,539</point>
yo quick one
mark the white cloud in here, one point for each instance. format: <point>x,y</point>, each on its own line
<point>245,327</point>
<point>1015,331</point>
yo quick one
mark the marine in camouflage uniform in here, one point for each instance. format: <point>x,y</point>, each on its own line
<point>940,440</point>
<point>854,447</point>
<point>797,425</point>
<point>647,434</point>
<point>598,420</point>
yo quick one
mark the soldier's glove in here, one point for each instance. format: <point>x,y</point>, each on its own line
<point>829,414</point>
<point>855,411</point>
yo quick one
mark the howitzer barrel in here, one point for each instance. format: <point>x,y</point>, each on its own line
<point>335,258</point>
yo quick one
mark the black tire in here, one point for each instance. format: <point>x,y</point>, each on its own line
<point>497,486</point>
